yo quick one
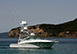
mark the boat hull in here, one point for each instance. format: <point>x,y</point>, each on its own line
<point>34,45</point>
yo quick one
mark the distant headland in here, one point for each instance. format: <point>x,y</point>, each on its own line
<point>64,30</point>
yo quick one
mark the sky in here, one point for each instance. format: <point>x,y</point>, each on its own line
<point>12,12</point>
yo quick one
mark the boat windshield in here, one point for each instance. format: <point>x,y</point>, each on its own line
<point>31,37</point>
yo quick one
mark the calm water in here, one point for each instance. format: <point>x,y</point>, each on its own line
<point>65,46</point>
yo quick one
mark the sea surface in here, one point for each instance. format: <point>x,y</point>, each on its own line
<point>65,46</point>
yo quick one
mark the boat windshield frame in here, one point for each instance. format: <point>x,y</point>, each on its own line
<point>31,37</point>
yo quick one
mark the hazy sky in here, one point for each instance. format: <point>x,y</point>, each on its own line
<point>35,12</point>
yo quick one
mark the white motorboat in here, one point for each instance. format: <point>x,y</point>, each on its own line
<point>30,40</point>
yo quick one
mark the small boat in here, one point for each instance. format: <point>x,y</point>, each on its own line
<point>30,40</point>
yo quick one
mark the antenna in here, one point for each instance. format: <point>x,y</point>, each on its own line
<point>14,11</point>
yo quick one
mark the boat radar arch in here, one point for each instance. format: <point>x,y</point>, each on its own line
<point>23,22</point>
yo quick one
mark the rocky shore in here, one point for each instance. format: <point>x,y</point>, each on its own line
<point>65,30</point>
